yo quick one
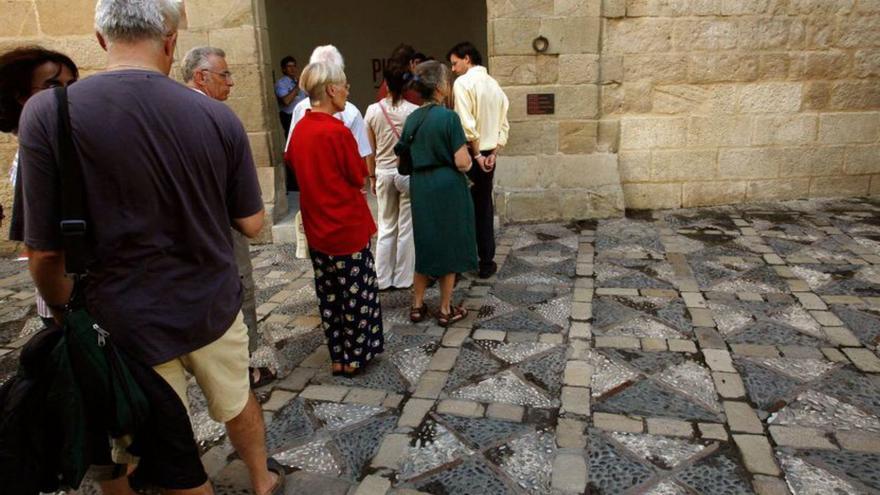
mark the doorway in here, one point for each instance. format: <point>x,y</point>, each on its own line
<point>367,32</point>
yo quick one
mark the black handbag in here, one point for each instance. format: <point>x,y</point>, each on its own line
<point>403,149</point>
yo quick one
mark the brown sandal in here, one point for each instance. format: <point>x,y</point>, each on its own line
<point>445,319</point>
<point>417,315</point>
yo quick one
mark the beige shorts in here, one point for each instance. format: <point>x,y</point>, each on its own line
<point>221,370</point>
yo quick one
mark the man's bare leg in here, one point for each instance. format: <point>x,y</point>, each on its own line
<point>248,435</point>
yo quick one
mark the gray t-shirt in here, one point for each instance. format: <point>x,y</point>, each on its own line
<point>165,170</point>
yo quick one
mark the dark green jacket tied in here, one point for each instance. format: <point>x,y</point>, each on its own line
<point>73,391</point>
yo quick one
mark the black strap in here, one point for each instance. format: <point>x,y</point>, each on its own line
<point>73,201</point>
<point>412,135</point>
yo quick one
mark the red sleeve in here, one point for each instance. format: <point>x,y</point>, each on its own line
<point>383,91</point>
<point>352,166</point>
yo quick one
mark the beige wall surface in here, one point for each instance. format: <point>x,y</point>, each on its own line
<point>729,101</point>
<point>366,32</point>
<point>237,26</point>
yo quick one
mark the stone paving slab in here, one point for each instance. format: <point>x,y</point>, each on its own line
<point>729,350</point>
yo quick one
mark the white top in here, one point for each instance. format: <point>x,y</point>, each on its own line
<point>351,117</point>
<point>385,135</point>
<point>482,107</point>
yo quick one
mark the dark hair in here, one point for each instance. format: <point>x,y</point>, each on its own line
<point>466,49</point>
<point>396,76</point>
<point>421,57</point>
<point>16,73</point>
<point>402,54</point>
<point>427,77</point>
<point>286,60</point>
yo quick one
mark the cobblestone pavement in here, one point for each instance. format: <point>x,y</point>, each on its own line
<point>711,351</point>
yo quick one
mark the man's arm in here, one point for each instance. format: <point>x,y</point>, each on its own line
<point>47,270</point>
<point>250,226</point>
<point>286,95</point>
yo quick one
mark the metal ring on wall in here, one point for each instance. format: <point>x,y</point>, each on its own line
<point>541,44</point>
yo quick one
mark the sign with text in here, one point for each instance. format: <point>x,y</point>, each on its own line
<point>541,104</point>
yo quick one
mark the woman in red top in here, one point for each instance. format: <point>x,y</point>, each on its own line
<point>338,224</point>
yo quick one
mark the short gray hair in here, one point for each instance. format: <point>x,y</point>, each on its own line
<point>197,59</point>
<point>135,20</point>
<point>327,54</point>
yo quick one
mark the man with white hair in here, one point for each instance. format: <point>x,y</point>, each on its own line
<point>165,172</point>
<point>205,70</point>
<point>350,116</point>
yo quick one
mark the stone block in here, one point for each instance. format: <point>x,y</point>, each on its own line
<point>580,330</point>
<point>770,33</point>
<point>660,68</point>
<point>454,337</point>
<point>518,172</point>
<point>443,359</point>
<point>774,97</point>
<point>719,130</point>
<point>757,454</point>
<point>628,97</point>
<point>239,43</point>
<point>532,138</point>
<point>670,427</point>
<point>330,393</point>
<point>250,111</point>
<point>712,193</point>
<point>609,136</point>
<point>617,422</point>
<point>519,8</point>
<point>785,129</point>
<point>682,345</point>
<point>722,67</point>
<point>569,473</point>
<point>800,437</point>
<point>460,408</point>
<point>430,385</point>
<point>62,17</point>
<point>513,36</point>
<point>507,412</point>
<point>576,400</point>
<point>705,35</point>
<point>858,32</point>
<point>652,196</point>
<point>855,95</point>
<point>514,69</point>
<point>863,159</point>
<point>577,374</point>
<point>617,342</point>
<point>297,379</point>
<point>571,34</point>
<point>634,166</point>
<point>671,165</point>
<point>576,8</point>
<point>866,63</point>
<point>719,360</point>
<point>366,396</point>
<point>638,35</point>
<point>864,359</point>
<point>742,418</point>
<point>826,65</point>
<point>839,186</point>
<point>849,127</point>
<point>577,137</point>
<point>652,132</point>
<point>712,431</point>
<point>391,451</point>
<point>20,20</point>
<point>817,95</point>
<point>591,202</point>
<point>807,162</point>
<point>767,485</point>
<point>774,66</point>
<point>778,189</point>
<point>570,434</point>
<point>373,485</point>
<point>614,8</point>
<point>414,412</point>
<point>277,400</point>
<point>859,441</point>
<point>653,344</point>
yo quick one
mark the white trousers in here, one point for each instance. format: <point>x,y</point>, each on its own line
<point>395,251</point>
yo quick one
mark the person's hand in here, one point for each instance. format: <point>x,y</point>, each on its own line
<point>490,160</point>
<point>483,162</point>
<point>373,185</point>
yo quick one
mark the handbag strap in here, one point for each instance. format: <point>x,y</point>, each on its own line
<point>388,119</point>
<point>73,201</point>
<point>412,135</point>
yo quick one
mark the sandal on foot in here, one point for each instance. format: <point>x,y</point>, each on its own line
<point>417,315</point>
<point>266,376</point>
<point>275,467</point>
<point>445,319</point>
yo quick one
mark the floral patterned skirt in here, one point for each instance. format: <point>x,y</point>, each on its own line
<point>348,297</point>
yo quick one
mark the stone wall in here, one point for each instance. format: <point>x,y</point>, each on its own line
<point>729,101</point>
<point>560,166</point>
<point>237,26</point>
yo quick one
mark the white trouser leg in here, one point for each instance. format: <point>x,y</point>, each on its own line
<point>386,245</point>
<point>406,251</point>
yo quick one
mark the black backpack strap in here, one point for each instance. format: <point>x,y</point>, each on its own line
<point>73,200</point>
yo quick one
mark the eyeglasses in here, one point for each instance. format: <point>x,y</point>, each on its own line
<point>225,74</point>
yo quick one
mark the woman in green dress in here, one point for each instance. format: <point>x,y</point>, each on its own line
<point>442,209</point>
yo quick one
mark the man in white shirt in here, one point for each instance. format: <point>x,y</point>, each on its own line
<point>350,116</point>
<point>482,107</point>
<point>205,70</point>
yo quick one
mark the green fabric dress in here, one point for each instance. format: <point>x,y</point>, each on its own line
<point>442,208</point>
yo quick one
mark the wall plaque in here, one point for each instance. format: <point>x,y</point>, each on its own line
<point>541,104</point>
